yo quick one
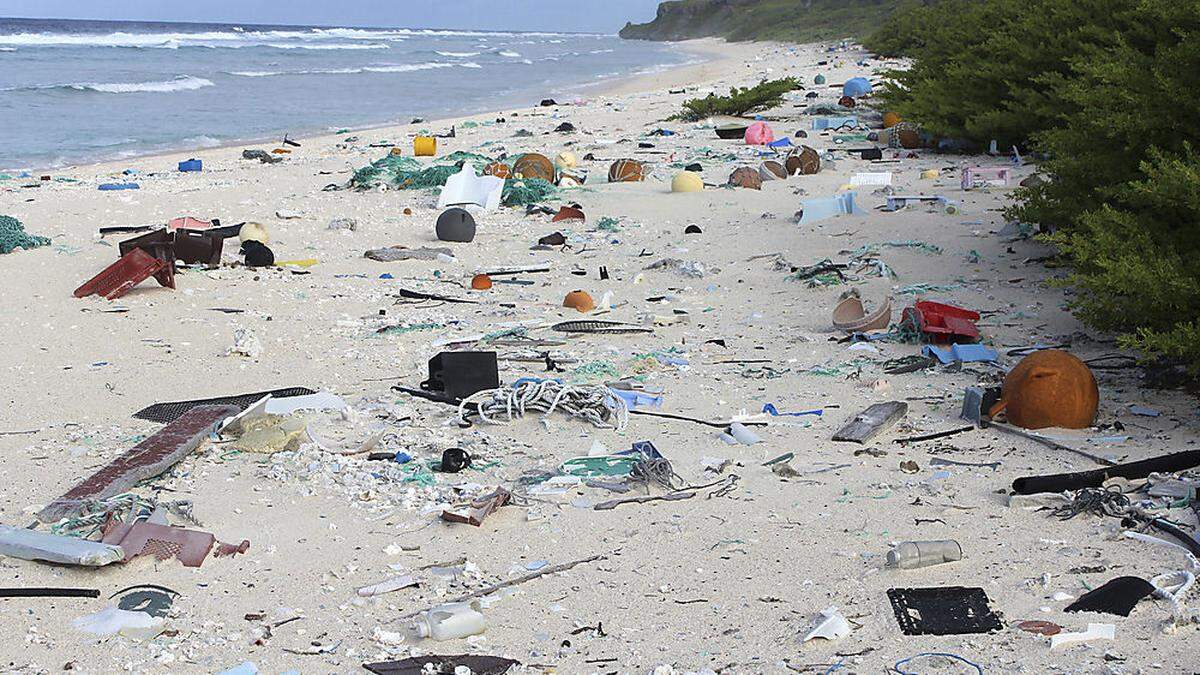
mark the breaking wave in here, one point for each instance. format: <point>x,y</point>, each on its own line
<point>392,68</point>
<point>181,83</point>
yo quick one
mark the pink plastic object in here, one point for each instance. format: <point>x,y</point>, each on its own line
<point>188,223</point>
<point>942,323</point>
<point>984,176</point>
<point>759,134</point>
<point>132,269</point>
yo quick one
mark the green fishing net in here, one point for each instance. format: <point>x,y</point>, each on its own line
<point>406,173</point>
<point>13,236</point>
<point>526,191</point>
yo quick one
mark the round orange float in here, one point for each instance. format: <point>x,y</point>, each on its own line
<point>481,282</point>
<point>579,301</point>
<point>1050,388</point>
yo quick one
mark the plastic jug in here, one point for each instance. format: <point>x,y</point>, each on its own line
<point>451,621</point>
<point>913,554</point>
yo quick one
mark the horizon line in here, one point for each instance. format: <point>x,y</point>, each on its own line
<point>239,24</point>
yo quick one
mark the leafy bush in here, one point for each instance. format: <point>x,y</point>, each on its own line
<point>994,69</point>
<point>785,20</point>
<point>763,96</point>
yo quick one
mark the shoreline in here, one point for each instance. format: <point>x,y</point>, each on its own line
<point>710,51</point>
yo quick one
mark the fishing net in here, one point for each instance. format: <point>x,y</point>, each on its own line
<point>13,236</point>
<point>527,191</point>
<point>406,173</point>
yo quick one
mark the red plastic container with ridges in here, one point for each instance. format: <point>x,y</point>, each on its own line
<point>132,269</point>
<point>943,323</point>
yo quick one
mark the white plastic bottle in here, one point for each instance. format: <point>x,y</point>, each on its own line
<point>451,621</point>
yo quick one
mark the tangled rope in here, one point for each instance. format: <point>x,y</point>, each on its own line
<point>1098,501</point>
<point>596,404</point>
<point>657,471</point>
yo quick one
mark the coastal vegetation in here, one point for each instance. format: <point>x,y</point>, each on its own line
<point>1103,93</point>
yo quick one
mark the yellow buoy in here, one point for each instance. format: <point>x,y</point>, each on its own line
<point>891,119</point>
<point>566,161</point>
<point>687,181</point>
<point>424,146</point>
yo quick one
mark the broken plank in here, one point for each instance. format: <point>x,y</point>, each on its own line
<point>871,422</point>
<point>147,459</point>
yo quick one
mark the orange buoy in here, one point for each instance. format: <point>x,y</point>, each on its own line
<point>1049,388</point>
<point>481,282</point>
<point>626,171</point>
<point>579,301</point>
<point>891,119</point>
<point>534,165</point>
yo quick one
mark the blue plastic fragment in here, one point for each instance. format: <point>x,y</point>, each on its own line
<point>966,353</point>
<point>770,409</point>
<point>637,399</point>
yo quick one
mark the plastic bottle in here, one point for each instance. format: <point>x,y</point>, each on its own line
<point>910,555</point>
<point>451,621</point>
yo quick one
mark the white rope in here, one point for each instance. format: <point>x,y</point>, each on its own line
<point>595,404</point>
<point>1172,586</point>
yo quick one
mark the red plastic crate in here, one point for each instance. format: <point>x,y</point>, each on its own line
<point>132,269</point>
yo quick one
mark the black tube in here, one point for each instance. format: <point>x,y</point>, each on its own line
<point>49,593</point>
<point>1063,482</point>
<point>1188,540</point>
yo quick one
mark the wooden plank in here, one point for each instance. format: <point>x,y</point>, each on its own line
<point>147,459</point>
<point>871,422</point>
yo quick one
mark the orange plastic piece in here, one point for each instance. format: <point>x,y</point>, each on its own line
<point>481,282</point>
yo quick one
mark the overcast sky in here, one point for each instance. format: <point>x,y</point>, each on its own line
<point>571,15</point>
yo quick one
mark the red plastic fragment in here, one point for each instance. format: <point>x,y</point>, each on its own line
<point>942,323</point>
<point>224,549</point>
<point>132,269</point>
<point>161,541</point>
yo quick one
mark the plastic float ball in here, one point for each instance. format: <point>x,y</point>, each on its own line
<point>626,171</point>
<point>579,301</point>
<point>891,119</point>
<point>481,282</point>
<point>456,225</point>
<point>1050,388</point>
<point>254,232</point>
<point>534,165</point>
<point>687,181</point>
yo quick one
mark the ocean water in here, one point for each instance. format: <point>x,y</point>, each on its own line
<point>80,91</point>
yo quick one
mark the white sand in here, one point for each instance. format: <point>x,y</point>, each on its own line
<point>729,583</point>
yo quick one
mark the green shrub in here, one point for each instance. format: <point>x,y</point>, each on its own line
<point>741,101</point>
<point>1137,259</point>
<point>992,70</point>
<point>1108,92</point>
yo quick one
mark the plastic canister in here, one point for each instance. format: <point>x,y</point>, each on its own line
<point>451,621</point>
<point>425,146</point>
<point>913,554</point>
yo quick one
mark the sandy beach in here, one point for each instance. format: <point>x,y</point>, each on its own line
<point>729,580</point>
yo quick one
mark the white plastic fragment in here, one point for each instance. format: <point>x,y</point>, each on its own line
<point>1095,631</point>
<point>832,626</point>
<point>31,545</point>
<point>387,586</point>
<point>112,620</point>
<point>319,401</point>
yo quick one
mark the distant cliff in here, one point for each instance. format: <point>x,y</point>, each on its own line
<point>743,20</point>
